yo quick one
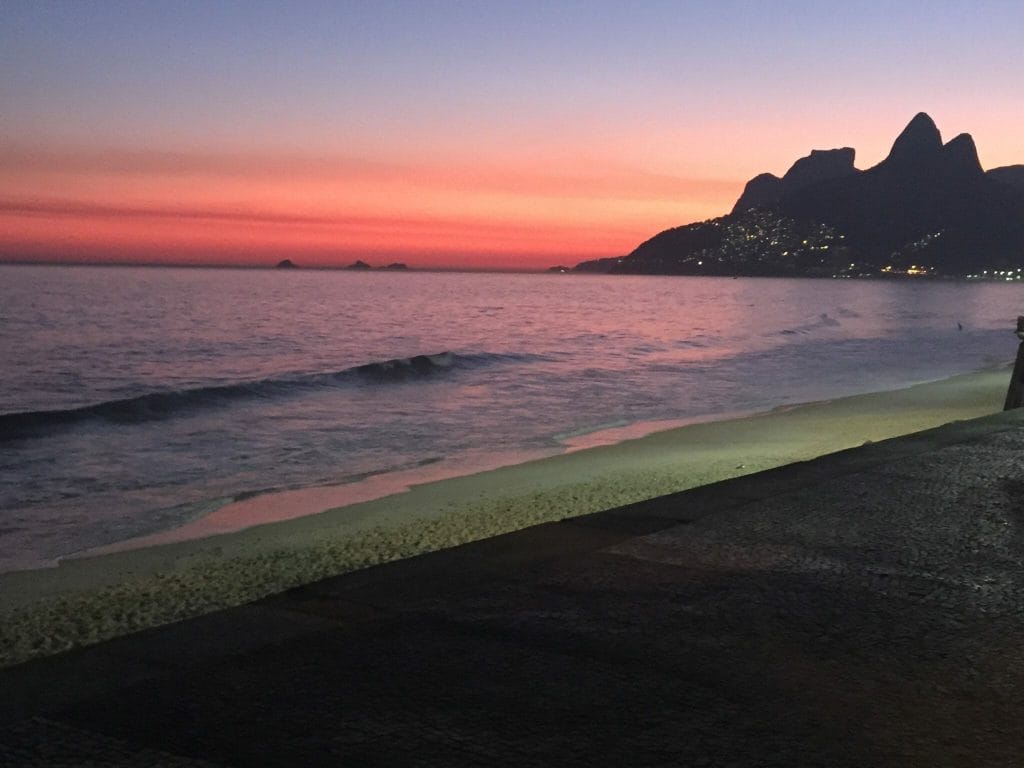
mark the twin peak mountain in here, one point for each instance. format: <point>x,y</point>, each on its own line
<point>927,209</point>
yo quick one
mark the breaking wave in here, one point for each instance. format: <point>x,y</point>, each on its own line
<point>154,406</point>
<point>824,320</point>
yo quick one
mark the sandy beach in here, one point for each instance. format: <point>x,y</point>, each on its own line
<point>89,599</point>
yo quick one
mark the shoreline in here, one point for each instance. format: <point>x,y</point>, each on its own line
<point>290,504</point>
<point>91,598</point>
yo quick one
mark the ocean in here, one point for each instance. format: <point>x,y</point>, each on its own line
<point>133,400</point>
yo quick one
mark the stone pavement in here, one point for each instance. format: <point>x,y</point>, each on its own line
<point>862,609</point>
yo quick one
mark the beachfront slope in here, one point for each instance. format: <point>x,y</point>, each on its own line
<point>862,609</point>
<point>84,601</point>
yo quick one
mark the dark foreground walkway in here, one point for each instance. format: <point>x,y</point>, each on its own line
<point>864,609</point>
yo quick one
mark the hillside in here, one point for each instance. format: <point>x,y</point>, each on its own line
<point>927,209</point>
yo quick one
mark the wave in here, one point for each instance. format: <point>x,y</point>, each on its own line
<point>824,320</point>
<point>405,367</point>
<point>155,406</point>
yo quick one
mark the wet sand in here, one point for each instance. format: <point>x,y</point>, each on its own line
<point>93,598</point>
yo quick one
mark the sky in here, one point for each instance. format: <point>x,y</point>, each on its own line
<point>468,135</point>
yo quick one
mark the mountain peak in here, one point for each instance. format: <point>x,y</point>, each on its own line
<point>925,204</point>
<point>819,166</point>
<point>919,141</point>
<point>960,155</point>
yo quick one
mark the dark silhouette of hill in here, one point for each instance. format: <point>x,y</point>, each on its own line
<point>820,166</point>
<point>928,207</point>
<point>1008,174</point>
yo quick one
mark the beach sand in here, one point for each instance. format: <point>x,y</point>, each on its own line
<point>89,599</point>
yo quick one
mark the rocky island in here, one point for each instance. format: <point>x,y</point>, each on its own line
<point>927,210</point>
<point>361,265</point>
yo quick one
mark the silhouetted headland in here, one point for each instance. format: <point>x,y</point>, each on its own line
<point>928,209</point>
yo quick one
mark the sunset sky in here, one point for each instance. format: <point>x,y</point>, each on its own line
<point>457,134</point>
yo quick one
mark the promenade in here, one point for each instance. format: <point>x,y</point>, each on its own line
<point>862,609</point>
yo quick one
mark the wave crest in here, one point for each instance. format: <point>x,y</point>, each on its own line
<point>154,406</point>
<point>405,367</point>
<point>824,320</point>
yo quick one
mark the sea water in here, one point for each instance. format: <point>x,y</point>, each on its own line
<point>135,399</point>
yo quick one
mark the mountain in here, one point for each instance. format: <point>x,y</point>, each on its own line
<point>1008,174</point>
<point>819,166</point>
<point>927,208</point>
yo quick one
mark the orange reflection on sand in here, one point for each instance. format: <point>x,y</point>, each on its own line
<point>280,506</point>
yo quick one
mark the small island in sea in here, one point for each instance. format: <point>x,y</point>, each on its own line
<point>362,266</point>
<point>357,266</point>
<point>927,210</point>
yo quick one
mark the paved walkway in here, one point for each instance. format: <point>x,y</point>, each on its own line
<point>863,609</point>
